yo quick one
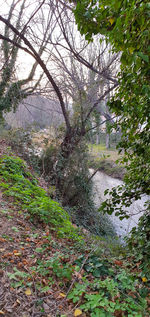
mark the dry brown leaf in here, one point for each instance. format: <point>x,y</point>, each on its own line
<point>2,250</point>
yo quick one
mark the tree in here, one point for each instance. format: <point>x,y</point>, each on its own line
<point>126,24</point>
<point>12,89</point>
<point>131,103</point>
<point>23,39</point>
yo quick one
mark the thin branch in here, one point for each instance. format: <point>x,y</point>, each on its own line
<point>31,17</point>
<point>99,100</point>
<point>89,179</point>
<point>99,124</point>
<point>2,37</point>
<point>82,60</point>
<point>41,109</point>
<point>65,5</point>
<point>43,66</point>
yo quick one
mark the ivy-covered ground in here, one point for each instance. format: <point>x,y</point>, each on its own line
<point>49,267</point>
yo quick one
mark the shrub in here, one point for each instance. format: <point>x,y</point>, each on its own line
<point>24,189</point>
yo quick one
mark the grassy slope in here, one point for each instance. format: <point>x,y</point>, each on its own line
<point>44,272</point>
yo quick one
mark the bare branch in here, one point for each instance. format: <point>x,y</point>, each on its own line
<point>43,66</point>
<point>99,100</point>
<point>2,37</point>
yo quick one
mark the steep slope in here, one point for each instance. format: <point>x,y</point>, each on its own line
<point>49,267</point>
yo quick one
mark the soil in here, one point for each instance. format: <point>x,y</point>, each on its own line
<point>17,248</point>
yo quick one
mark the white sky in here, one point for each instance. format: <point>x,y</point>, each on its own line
<point>25,61</point>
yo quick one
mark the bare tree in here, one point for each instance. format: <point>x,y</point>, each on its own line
<point>13,89</point>
<point>68,67</point>
<point>86,69</point>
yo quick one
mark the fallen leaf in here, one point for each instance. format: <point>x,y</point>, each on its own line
<point>18,301</point>
<point>78,275</point>
<point>1,312</point>
<point>118,262</point>
<point>28,292</point>
<point>62,295</point>
<point>77,312</point>
<point>8,254</point>
<point>2,240</point>
<point>144,279</point>
<point>118,313</point>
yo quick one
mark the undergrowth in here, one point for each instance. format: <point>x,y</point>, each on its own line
<point>90,281</point>
<point>19,183</point>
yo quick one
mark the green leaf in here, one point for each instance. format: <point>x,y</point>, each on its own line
<point>143,56</point>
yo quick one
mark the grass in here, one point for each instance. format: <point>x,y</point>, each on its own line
<point>105,160</point>
<point>100,151</point>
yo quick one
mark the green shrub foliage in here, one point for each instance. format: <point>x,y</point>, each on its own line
<point>23,187</point>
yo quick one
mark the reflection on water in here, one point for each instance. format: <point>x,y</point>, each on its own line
<point>101,182</point>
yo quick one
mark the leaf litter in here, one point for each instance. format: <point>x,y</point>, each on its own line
<point>38,269</point>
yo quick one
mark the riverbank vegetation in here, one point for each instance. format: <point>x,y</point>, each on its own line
<point>105,160</point>
<point>126,26</point>
<point>98,85</point>
<point>51,267</point>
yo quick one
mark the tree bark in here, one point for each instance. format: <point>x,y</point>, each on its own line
<point>107,141</point>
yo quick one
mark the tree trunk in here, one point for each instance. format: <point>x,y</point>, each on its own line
<point>107,141</point>
<point>98,136</point>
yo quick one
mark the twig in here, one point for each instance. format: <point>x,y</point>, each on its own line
<point>72,284</point>
<point>97,170</point>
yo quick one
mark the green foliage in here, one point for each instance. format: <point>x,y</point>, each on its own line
<point>25,191</point>
<point>125,25</point>
<point>139,244</point>
<point>48,161</point>
<point>104,289</point>
<point>11,92</point>
<point>18,278</point>
<point>54,267</point>
<point>108,296</point>
<point>75,190</point>
<point>21,142</point>
<point>113,290</point>
<point>11,99</point>
<point>94,265</point>
<point>60,270</point>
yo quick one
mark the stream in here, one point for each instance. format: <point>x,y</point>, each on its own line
<point>101,182</point>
